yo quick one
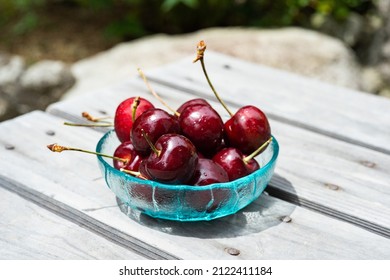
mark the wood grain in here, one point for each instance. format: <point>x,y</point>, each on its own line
<point>71,184</point>
<point>28,231</point>
<point>326,174</point>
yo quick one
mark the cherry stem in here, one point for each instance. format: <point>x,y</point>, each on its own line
<point>58,149</point>
<point>155,94</point>
<point>255,153</point>
<point>134,107</point>
<point>89,117</point>
<point>134,173</point>
<point>152,146</point>
<point>89,125</point>
<point>201,48</point>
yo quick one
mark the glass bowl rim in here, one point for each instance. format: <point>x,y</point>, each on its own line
<point>226,185</point>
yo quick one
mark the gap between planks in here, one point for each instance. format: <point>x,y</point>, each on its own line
<point>276,190</point>
<point>114,235</point>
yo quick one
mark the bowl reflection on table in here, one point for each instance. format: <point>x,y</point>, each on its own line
<point>185,202</point>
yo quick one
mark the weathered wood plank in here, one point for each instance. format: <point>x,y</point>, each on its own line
<point>74,181</point>
<point>333,177</point>
<point>349,115</point>
<point>28,231</point>
<point>311,166</point>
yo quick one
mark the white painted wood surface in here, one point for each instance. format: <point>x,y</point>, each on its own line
<point>70,184</point>
<point>334,159</point>
<point>30,232</point>
<point>329,175</point>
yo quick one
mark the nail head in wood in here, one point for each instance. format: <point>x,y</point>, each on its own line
<point>9,147</point>
<point>233,251</point>
<point>51,132</point>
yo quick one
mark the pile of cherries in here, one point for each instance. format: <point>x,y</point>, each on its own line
<point>192,146</point>
<point>189,146</point>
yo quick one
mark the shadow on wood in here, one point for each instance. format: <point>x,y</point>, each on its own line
<point>262,214</point>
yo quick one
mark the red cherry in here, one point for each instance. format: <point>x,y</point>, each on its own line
<point>207,172</point>
<point>154,123</point>
<point>123,120</point>
<point>173,161</point>
<point>196,101</point>
<point>126,151</point>
<point>232,161</point>
<point>203,126</point>
<point>236,164</point>
<point>247,129</point>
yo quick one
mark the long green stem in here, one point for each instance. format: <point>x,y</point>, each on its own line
<point>134,107</point>
<point>133,173</point>
<point>258,150</point>
<point>212,87</point>
<point>155,94</point>
<point>91,118</point>
<point>152,146</point>
<point>89,125</point>
<point>58,149</point>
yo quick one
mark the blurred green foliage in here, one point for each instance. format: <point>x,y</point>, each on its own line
<point>135,18</point>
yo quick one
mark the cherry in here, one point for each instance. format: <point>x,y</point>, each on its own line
<point>207,172</point>
<point>235,163</point>
<point>172,161</point>
<point>153,122</point>
<point>196,101</point>
<point>125,114</point>
<point>203,126</point>
<point>126,151</point>
<point>247,129</point>
<point>231,160</point>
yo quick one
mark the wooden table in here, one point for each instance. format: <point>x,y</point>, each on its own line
<point>329,197</point>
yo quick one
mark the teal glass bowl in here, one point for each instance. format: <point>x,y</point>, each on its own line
<point>185,202</point>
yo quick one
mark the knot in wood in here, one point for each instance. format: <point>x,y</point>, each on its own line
<point>368,164</point>
<point>333,187</point>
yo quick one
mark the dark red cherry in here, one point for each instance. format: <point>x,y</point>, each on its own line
<point>123,120</point>
<point>203,126</point>
<point>206,199</point>
<point>173,160</point>
<point>247,129</point>
<point>196,101</point>
<point>234,163</point>
<point>154,123</point>
<point>208,172</point>
<point>126,151</point>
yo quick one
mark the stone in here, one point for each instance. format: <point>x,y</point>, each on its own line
<point>11,69</point>
<point>384,69</point>
<point>371,80</point>
<point>3,106</point>
<point>297,50</point>
<point>44,83</point>
<point>46,76</point>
